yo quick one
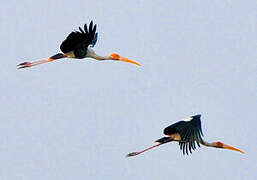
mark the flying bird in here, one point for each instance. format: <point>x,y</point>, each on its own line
<point>187,133</point>
<point>78,45</point>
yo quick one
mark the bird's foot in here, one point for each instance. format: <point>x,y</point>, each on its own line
<point>132,154</point>
<point>24,65</point>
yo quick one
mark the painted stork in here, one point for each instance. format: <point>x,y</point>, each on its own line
<point>78,45</point>
<point>187,133</point>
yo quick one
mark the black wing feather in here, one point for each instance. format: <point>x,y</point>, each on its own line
<point>79,40</point>
<point>85,28</point>
<point>81,30</point>
<point>189,131</point>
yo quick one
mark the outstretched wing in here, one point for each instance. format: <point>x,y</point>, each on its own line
<point>190,132</point>
<point>76,39</point>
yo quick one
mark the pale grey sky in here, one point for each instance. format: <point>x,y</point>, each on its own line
<point>77,119</point>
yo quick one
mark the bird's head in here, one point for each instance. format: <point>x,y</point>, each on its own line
<point>225,146</point>
<point>117,57</point>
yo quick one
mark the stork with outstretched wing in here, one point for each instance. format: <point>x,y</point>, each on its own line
<point>78,45</point>
<point>188,133</point>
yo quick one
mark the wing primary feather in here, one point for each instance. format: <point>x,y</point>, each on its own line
<point>180,145</point>
<point>81,30</point>
<point>193,144</point>
<point>201,131</point>
<point>94,29</point>
<point>189,140</point>
<point>198,144</point>
<point>94,40</point>
<point>187,148</point>
<point>187,136</point>
<point>85,28</point>
<point>184,148</point>
<point>199,136</point>
<point>190,146</point>
<point>90,26</point>
<point>197,139</point>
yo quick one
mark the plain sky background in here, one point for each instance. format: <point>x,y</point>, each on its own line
<point>77,119</point>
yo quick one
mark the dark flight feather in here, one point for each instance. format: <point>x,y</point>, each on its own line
<point>78,41</point>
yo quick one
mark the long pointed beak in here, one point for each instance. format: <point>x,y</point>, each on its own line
<point>232,148</point>
<point>129,61</point>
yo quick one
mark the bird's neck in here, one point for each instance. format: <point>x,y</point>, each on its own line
<point>205,143</point>
<point>93,55</point>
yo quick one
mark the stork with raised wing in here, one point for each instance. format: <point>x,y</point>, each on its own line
<point>188,133</point>
<point>78,45</point>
